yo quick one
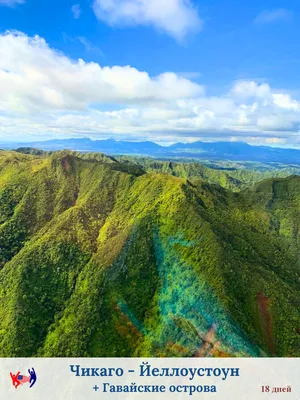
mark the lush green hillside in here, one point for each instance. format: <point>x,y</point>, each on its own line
<point>100,258</point>
<point>230,175</point>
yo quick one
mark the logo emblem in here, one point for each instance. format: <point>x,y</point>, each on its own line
<point>18,379</point>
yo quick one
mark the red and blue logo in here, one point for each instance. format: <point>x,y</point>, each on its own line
<point>18,379</point>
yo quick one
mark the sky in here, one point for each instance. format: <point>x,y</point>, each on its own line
<point>159,70</point>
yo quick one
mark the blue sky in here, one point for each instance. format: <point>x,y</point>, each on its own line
<point>199,70</point>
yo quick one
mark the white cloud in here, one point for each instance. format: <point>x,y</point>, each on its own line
<point>11,3</point>
<point>274,122</point>
<point>268,17</point>
<point>250,89</point>
<point>43,92</point>
<point>35,77</point>
<point>76,10</point>
<point>175,17</point>
<point>87,44</point>
<point>285,101</point>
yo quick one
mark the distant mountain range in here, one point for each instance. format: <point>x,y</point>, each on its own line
<point>235,151</point>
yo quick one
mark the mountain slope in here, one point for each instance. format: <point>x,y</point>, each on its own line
<point>100,258</point>
<point>231,178</point>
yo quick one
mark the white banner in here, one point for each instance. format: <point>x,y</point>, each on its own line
<point>132,378</point>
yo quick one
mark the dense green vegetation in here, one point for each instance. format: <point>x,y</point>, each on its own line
<point>100,257</point>
<point>230,175</point>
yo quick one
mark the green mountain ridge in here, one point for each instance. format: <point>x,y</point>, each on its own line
<point>236,176</point>
<point>102,258</point>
